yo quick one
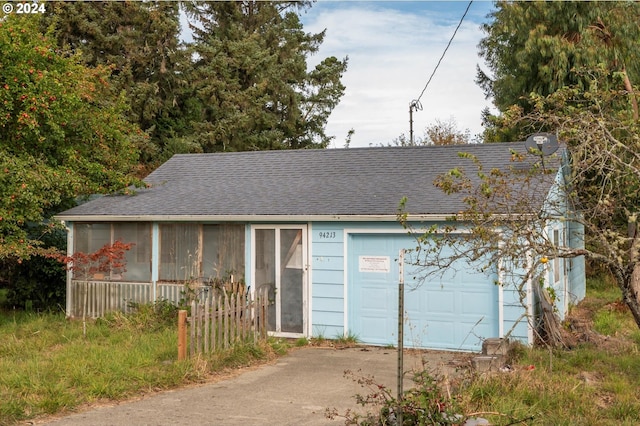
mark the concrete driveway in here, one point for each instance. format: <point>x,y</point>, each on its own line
<point>295,390</point>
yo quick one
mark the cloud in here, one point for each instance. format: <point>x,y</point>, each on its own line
<point>393,49</point>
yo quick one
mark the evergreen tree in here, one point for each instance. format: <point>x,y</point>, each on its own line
<point>541,47</point>
<point>252,80</point>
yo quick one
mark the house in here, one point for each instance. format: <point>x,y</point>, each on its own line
<point>319,229</point>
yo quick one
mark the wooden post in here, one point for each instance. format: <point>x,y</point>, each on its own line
<point>182,335</point>
<point>192,326</point>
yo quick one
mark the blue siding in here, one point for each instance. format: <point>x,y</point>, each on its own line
<point>327,288</point>
<point>576,267</point>
<point>516,301</point>
<point>570,287</point>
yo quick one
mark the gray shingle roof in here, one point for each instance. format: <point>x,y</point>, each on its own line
<point>340,182</point>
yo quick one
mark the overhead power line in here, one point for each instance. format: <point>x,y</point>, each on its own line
<point>415,104</point>
<point>444,52</point>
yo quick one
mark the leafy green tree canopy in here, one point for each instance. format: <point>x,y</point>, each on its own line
<point>140,44</point>
<point>541,47</point>
<point>63,133</point>
<point>252,80</point>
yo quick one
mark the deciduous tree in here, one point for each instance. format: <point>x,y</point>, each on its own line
<point>440,132</point>
<point>596,122</point>
<point>62,133</point>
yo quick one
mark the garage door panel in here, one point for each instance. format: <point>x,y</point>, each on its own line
<point>442,312</point>
<point>375,297</point>
<point>475,302</point>
<point>442,301</point>
<point>439,333</point>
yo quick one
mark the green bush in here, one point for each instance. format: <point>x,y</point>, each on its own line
<point>38,283</point>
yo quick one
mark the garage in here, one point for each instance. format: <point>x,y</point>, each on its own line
<point>454,311</point>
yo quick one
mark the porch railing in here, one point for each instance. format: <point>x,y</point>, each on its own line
<point>101,297</point>
<point>96,298</point>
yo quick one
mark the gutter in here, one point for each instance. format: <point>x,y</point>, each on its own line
<point>270,218</point>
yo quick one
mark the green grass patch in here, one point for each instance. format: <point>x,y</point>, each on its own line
<point>586,386</point>
<point>347,340</point>
<point>3,297</point>
<point>48,366</point>
<point>594,383</point>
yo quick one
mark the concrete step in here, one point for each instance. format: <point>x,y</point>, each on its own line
<point>483,363</point>
<point>495,346</point>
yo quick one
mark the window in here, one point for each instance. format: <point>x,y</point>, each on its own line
<point>201,252</point>
<point>138,258</point>
<point>90,237</point>
<point>556,261</point>
<point>223,252</point>
<point>179,253</point>
<point>187,251</point>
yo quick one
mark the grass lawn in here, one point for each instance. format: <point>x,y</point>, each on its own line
<point>49,367</point>
<point>593,383</point>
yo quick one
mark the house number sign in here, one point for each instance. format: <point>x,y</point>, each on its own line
<point>327,235</point>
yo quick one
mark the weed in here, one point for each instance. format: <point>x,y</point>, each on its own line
<point>424,404</point>
<point>606,322</point>
<point>279,346</point>
<point>348,340</point>
<point>301,342</point>
<point>145,316</point>
<point>318,340</point>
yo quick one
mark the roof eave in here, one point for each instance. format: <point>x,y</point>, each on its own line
<point>266,218</point>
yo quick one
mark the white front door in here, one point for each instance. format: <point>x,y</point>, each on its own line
<point>278,263</point>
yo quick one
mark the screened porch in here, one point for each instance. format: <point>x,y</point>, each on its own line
<point>189,259</point>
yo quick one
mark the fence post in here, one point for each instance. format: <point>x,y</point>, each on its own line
<point>182,335</point>
<point>193,325</point>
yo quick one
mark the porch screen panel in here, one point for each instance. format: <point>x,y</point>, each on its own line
<point>265,271</point>
<point>138,258</point>
<point>88,238</point>
<point>223,252</point>
<point>179,253</point>
<point>291,279</point>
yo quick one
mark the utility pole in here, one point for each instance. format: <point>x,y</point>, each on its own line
<point>417,106</point>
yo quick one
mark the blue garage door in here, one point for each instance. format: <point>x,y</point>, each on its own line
<point>454,311</point>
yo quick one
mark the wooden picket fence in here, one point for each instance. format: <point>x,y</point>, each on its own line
<point>227,316</point>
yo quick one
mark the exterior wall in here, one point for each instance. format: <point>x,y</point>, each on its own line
<point>566,277</point>
<point>327,279</point>
<point>576,266</point>
<point>327,274</point>
<point>328,264</point>
<point>517,304</point>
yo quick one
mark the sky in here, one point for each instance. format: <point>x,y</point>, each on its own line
<point>392,49</point>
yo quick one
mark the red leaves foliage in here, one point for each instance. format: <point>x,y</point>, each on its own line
<point>110,258</point>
